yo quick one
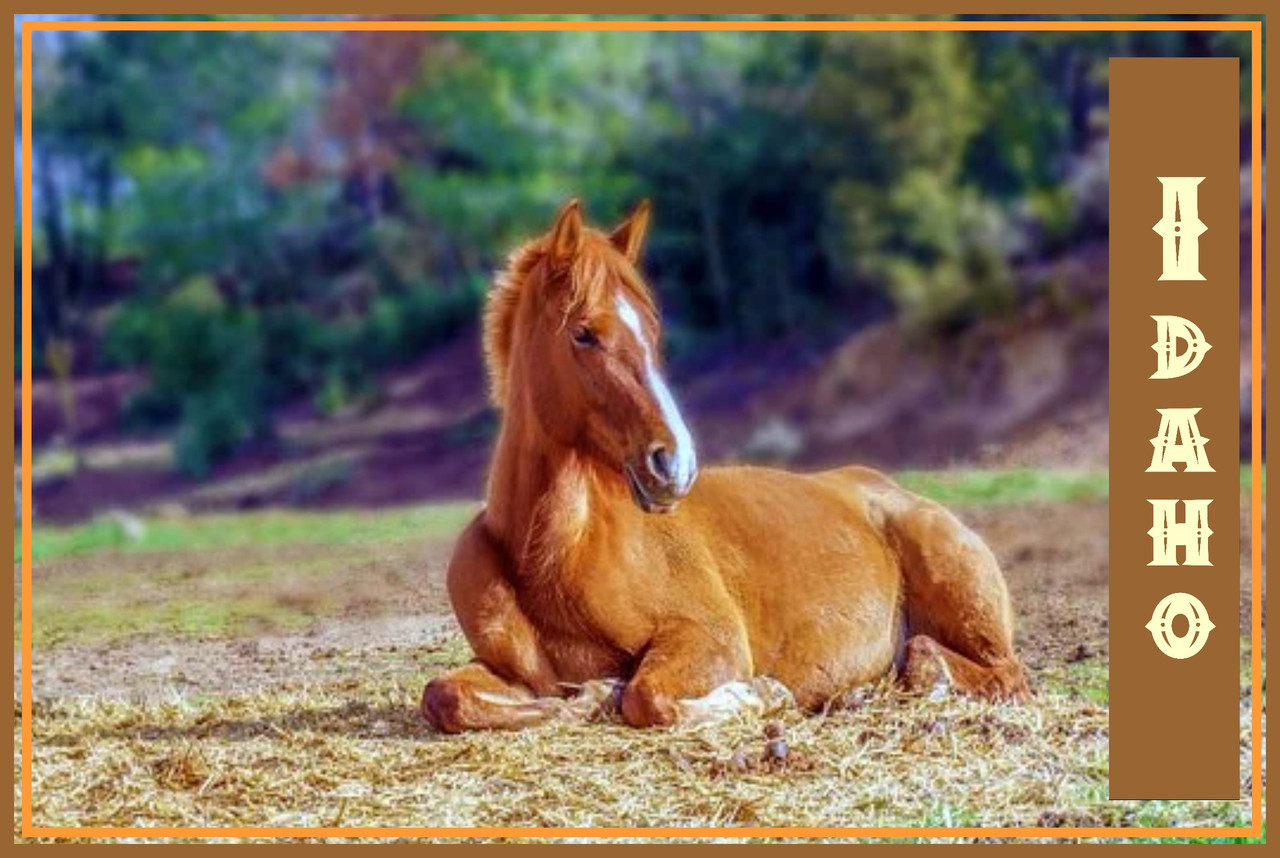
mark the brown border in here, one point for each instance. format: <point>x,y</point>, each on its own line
<point>1255,27</point>
<point>1148,139</point>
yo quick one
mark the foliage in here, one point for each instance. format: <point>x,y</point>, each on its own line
<point>206,367</point>
<point>257,216</point>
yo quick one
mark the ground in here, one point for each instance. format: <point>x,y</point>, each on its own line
<point>264,669</point>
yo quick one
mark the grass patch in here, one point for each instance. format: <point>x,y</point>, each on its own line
<point>183,601</point>
<point>229,593</point>
<point>964,487</point>
<point>230,530</point>
<point>978,487</point>
<point>961,487</point>
<point>196,618</point>
<point>1086,680</point>
<point>112,533</point>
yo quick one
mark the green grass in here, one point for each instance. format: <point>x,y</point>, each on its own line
<point>191,619</point>
<point>191,599</point>
<point>975,487</point>
<point>1246,476</point>
<point>257,590</point>
<point>1087,680</point>
<point>961,487</point>
<point>964,487</point>
<point>203,532</point>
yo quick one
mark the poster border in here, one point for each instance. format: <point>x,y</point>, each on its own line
<point>1111,24</point>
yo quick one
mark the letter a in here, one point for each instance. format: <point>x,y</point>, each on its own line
<point>1169,363</point>
<point>1181,228</point>
<point>1167,533</point>
<point>1175,424</point>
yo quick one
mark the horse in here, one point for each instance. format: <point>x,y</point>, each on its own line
<point>603,552</point>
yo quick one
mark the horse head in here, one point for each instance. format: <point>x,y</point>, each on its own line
<point>572,337</point>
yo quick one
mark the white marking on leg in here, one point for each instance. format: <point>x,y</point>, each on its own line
<point>596,699</point>
<point>760,696</point>
<point>686,458</point>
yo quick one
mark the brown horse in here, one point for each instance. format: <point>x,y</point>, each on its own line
<point>602,553</point>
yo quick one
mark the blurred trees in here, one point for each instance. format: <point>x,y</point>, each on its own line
<point>253,216</point>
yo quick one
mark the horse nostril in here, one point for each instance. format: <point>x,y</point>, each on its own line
<point>660,464</point>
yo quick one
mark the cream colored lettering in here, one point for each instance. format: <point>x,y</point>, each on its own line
<point>1171,363</point>
<point>1179,440</point>
<point>1193,639</point>
<point>1181,228</point>
<point>1167,532</point>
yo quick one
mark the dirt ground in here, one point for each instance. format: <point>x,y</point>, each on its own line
<point>394,608</point>
<point>179,722</point>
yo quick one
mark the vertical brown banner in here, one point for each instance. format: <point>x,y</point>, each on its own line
<point>1175,716</point>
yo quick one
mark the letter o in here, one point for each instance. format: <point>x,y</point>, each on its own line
<point>1198,625</point>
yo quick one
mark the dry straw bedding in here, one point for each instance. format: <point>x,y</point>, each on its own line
<point>356,754</point>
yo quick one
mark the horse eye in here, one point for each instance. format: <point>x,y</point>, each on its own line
<point>584,336</point>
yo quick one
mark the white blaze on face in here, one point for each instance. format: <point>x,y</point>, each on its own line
<point>684,457</point>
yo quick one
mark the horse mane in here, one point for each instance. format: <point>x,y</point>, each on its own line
<point>596,265</point>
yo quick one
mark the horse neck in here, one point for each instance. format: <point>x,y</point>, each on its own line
<point>537,488</point>
<point>519,476</point>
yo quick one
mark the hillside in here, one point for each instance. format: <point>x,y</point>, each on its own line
<point>1029,390</point>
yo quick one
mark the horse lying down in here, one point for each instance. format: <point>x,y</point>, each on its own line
<point>602,551</point>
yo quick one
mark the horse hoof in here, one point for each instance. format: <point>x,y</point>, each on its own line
<point>440,706</point>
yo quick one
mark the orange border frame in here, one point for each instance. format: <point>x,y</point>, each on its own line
<point>1253,27</point>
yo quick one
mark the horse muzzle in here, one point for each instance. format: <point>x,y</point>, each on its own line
<point>660,480</point>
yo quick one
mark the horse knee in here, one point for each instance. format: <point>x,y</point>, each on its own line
<point>644,706</point>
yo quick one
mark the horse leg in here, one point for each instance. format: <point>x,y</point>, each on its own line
<point>689,672</point>
<point>511,683</point>
<point>928,666</point>
<point>473,697</point>
<point>959,616</point>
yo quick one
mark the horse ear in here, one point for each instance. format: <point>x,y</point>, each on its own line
<point>629,235</point>
<point>566,235</point>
